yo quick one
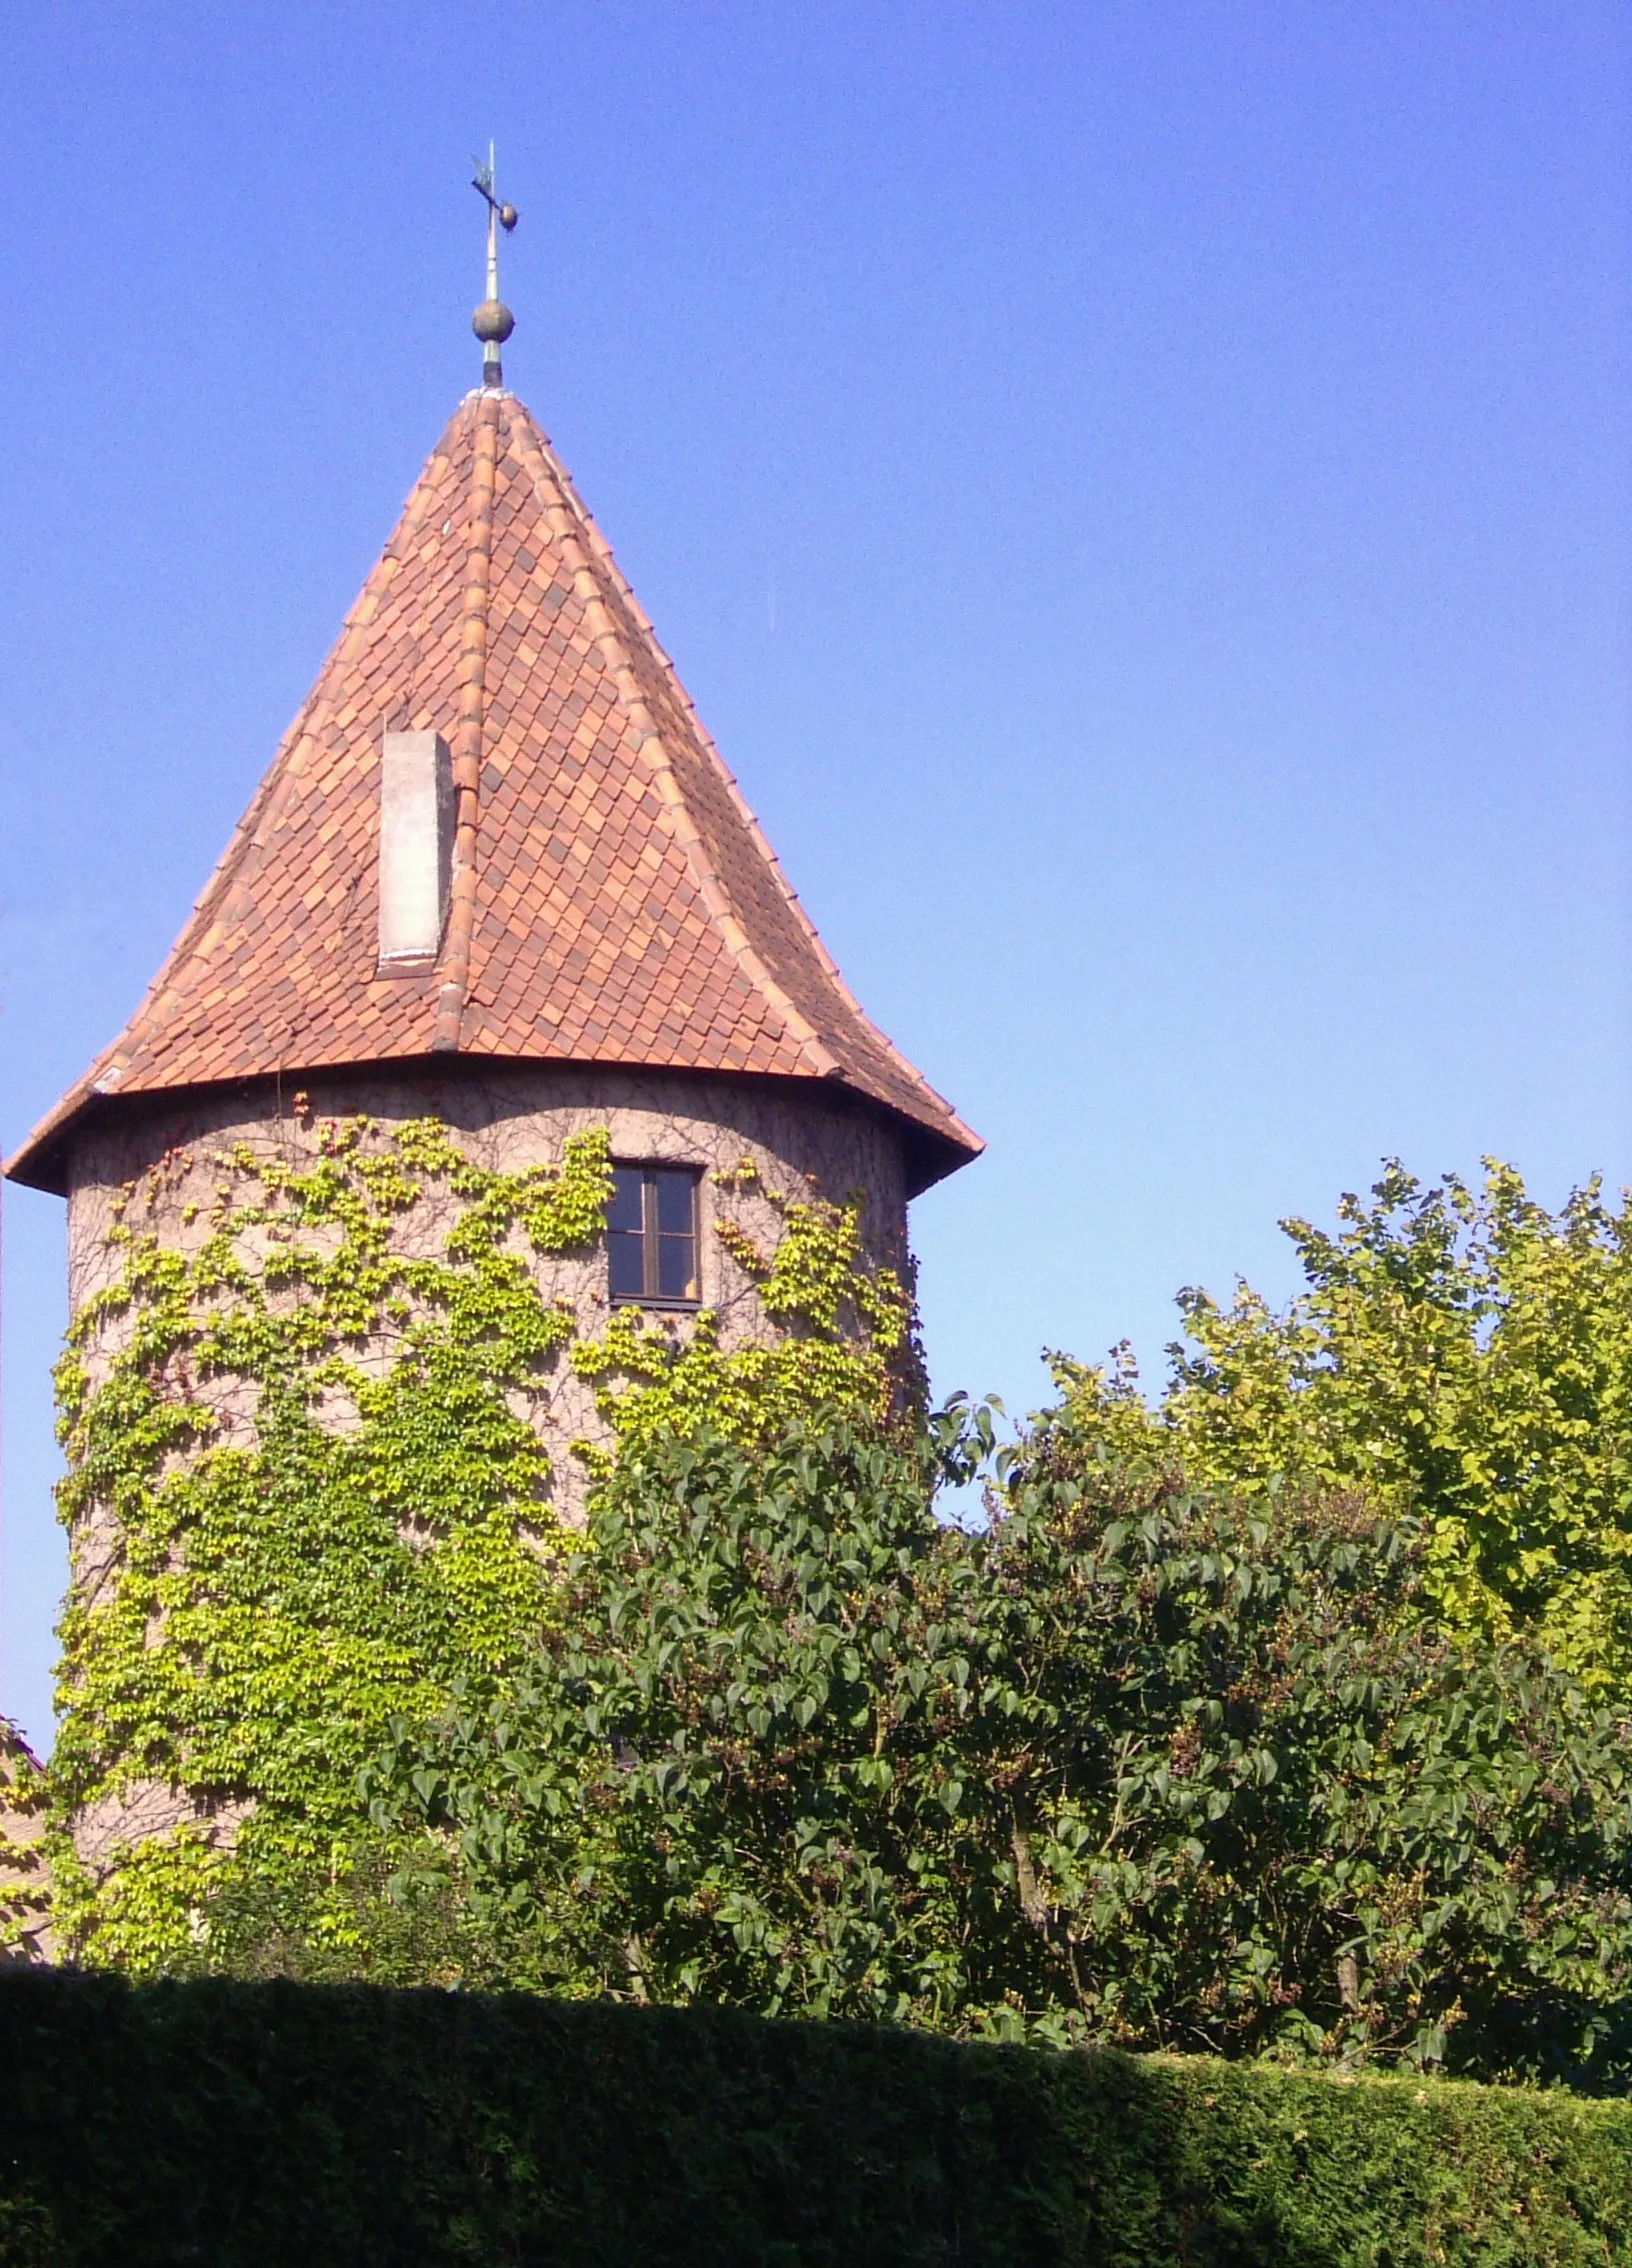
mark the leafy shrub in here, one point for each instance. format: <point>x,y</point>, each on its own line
<point>729,1778</point>
<point>1134,1764</point>
<point>1271,1806</point>
<point>1464,1355</point>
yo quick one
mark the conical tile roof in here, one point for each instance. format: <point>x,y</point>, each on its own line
<point>613,899</point>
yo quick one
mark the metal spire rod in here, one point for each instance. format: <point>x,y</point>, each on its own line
<point>492,321</point>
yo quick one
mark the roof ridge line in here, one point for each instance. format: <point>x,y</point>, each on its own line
<point>207,904</point>
<point>467,754</point>
<point>604,553</point>
<point>531,444</point>
<point>107,1068</point>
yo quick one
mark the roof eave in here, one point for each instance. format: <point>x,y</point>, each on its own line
<point>41,1162</point>
<point>931,1152</point>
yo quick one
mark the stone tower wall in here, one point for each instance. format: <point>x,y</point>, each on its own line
<point>802,1141</point>
<point>802,1144</point>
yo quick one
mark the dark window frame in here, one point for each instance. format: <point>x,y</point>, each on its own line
<point>651,1234</point>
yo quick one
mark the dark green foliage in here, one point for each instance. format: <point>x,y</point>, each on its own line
<point>734,1778</point>
<point>254,2126</point>
<point>1134,1765</point>
<point>1274,1807</point>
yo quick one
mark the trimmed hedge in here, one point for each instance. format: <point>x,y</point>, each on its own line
<point>344,2127</point>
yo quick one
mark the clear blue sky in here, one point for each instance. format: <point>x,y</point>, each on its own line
<point>1139,493</point>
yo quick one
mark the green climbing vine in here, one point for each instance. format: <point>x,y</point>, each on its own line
<point>310,1493</point>
<point>848,1340</point>
<point>310,1450</point>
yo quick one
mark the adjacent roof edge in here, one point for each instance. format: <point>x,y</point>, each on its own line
<point>822,1060</point>
<point>41,1162</point>
<point>714,893</point>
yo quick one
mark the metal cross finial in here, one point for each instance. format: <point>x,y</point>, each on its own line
<point>492,321</point>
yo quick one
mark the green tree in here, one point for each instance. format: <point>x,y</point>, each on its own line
<point>1462,1354</point>
<point>734,1776</point>
<point>1132,1764</point>
<point>1268,1804</point>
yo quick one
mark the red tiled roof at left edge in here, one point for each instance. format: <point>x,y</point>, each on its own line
<point>621,905</point>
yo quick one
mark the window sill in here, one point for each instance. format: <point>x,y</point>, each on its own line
<point>667,1306</point>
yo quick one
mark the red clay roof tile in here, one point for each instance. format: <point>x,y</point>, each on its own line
<point>614,900</point>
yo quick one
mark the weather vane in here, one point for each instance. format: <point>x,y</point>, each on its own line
<point>492,321</point>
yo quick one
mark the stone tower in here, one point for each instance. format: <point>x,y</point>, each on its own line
<point>497,873</point>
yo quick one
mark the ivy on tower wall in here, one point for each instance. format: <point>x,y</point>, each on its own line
<point>308,1489</point>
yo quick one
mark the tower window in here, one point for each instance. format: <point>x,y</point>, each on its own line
<point>652,1235</point>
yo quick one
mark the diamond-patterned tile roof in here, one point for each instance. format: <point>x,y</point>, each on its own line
<point>613,898</point>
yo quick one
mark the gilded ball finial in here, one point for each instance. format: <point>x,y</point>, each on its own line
<point>493,322</point>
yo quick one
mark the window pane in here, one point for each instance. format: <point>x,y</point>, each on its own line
<point>626,1188</point>
<point>627,1252</point>
<point>676,1271</point>
<point>674,1202</point>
